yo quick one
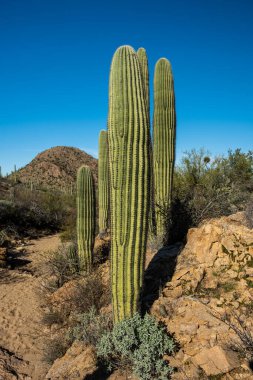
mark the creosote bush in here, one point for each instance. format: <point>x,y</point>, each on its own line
<point>137,344</point>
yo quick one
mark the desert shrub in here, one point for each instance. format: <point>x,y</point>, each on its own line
<point>137,345</point>
<point>61,265</point>
<point>5,236</point>
<point>84,293</point>
<point>51,317</point>
<point>90,326</point>
<point>90,293</point>
<point>68,228</point>
<point>243,330</point>
<point>101,252</point>
<point>37,209</point>
<point>206,187</point>
<point>55,348</point>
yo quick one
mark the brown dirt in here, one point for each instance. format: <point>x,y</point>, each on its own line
<point>21,334</point>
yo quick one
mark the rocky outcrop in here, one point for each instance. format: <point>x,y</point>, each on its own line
<point>207,305</point>
<point>203,293</point>
<point>12,367</point>
<point>78,362</point>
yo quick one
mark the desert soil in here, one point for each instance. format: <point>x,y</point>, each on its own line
<point>22,336</point>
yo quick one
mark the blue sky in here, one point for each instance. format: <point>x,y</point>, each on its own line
<point>55,60</point>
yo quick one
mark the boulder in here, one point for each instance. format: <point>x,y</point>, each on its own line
<point>78,362</point>
<point>216,360</point>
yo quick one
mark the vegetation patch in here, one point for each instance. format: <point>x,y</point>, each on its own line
<point>137,345</point>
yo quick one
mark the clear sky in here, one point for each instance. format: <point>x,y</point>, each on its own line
<point>54,68</point>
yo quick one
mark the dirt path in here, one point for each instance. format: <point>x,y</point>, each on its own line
<point>21,333</point>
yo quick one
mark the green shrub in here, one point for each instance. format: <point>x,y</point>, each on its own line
<point>137,344</point>
<point>206,187</point>
<point>90,327</point>
<point>35,210</point>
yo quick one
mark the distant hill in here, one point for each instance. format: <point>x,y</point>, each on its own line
<point>56,167</point>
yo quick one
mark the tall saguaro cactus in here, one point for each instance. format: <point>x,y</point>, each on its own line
<point>128,136</point>
<point>86,216</point>
<point>103,182</point>
<point>164,133</point>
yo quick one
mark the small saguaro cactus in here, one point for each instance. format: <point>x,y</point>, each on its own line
<point>103,183</point>
<point>86,216</point>
<point>164,133</point>
<point>128,137</point>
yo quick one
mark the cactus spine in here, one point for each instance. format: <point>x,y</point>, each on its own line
<point>128,137</point>
<point>86,214</point>
<point>103,182</point>
<point>164,133</point>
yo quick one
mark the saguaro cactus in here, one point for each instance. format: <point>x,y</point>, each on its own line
<point>128,136</point>
<point>103,182</point>
<point>86,214</point>
<point>142,56</point>
<point>164,131</point>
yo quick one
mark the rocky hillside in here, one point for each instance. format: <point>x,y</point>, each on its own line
<point>207,304</point>
<point>203,293</point>
<point>56,167</point>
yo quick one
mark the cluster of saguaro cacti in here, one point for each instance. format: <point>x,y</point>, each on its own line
<point>128,135</point>
<point>86,214</point>
<point>126,170</point>
<point>103,183</point>
<point>164,129</point>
